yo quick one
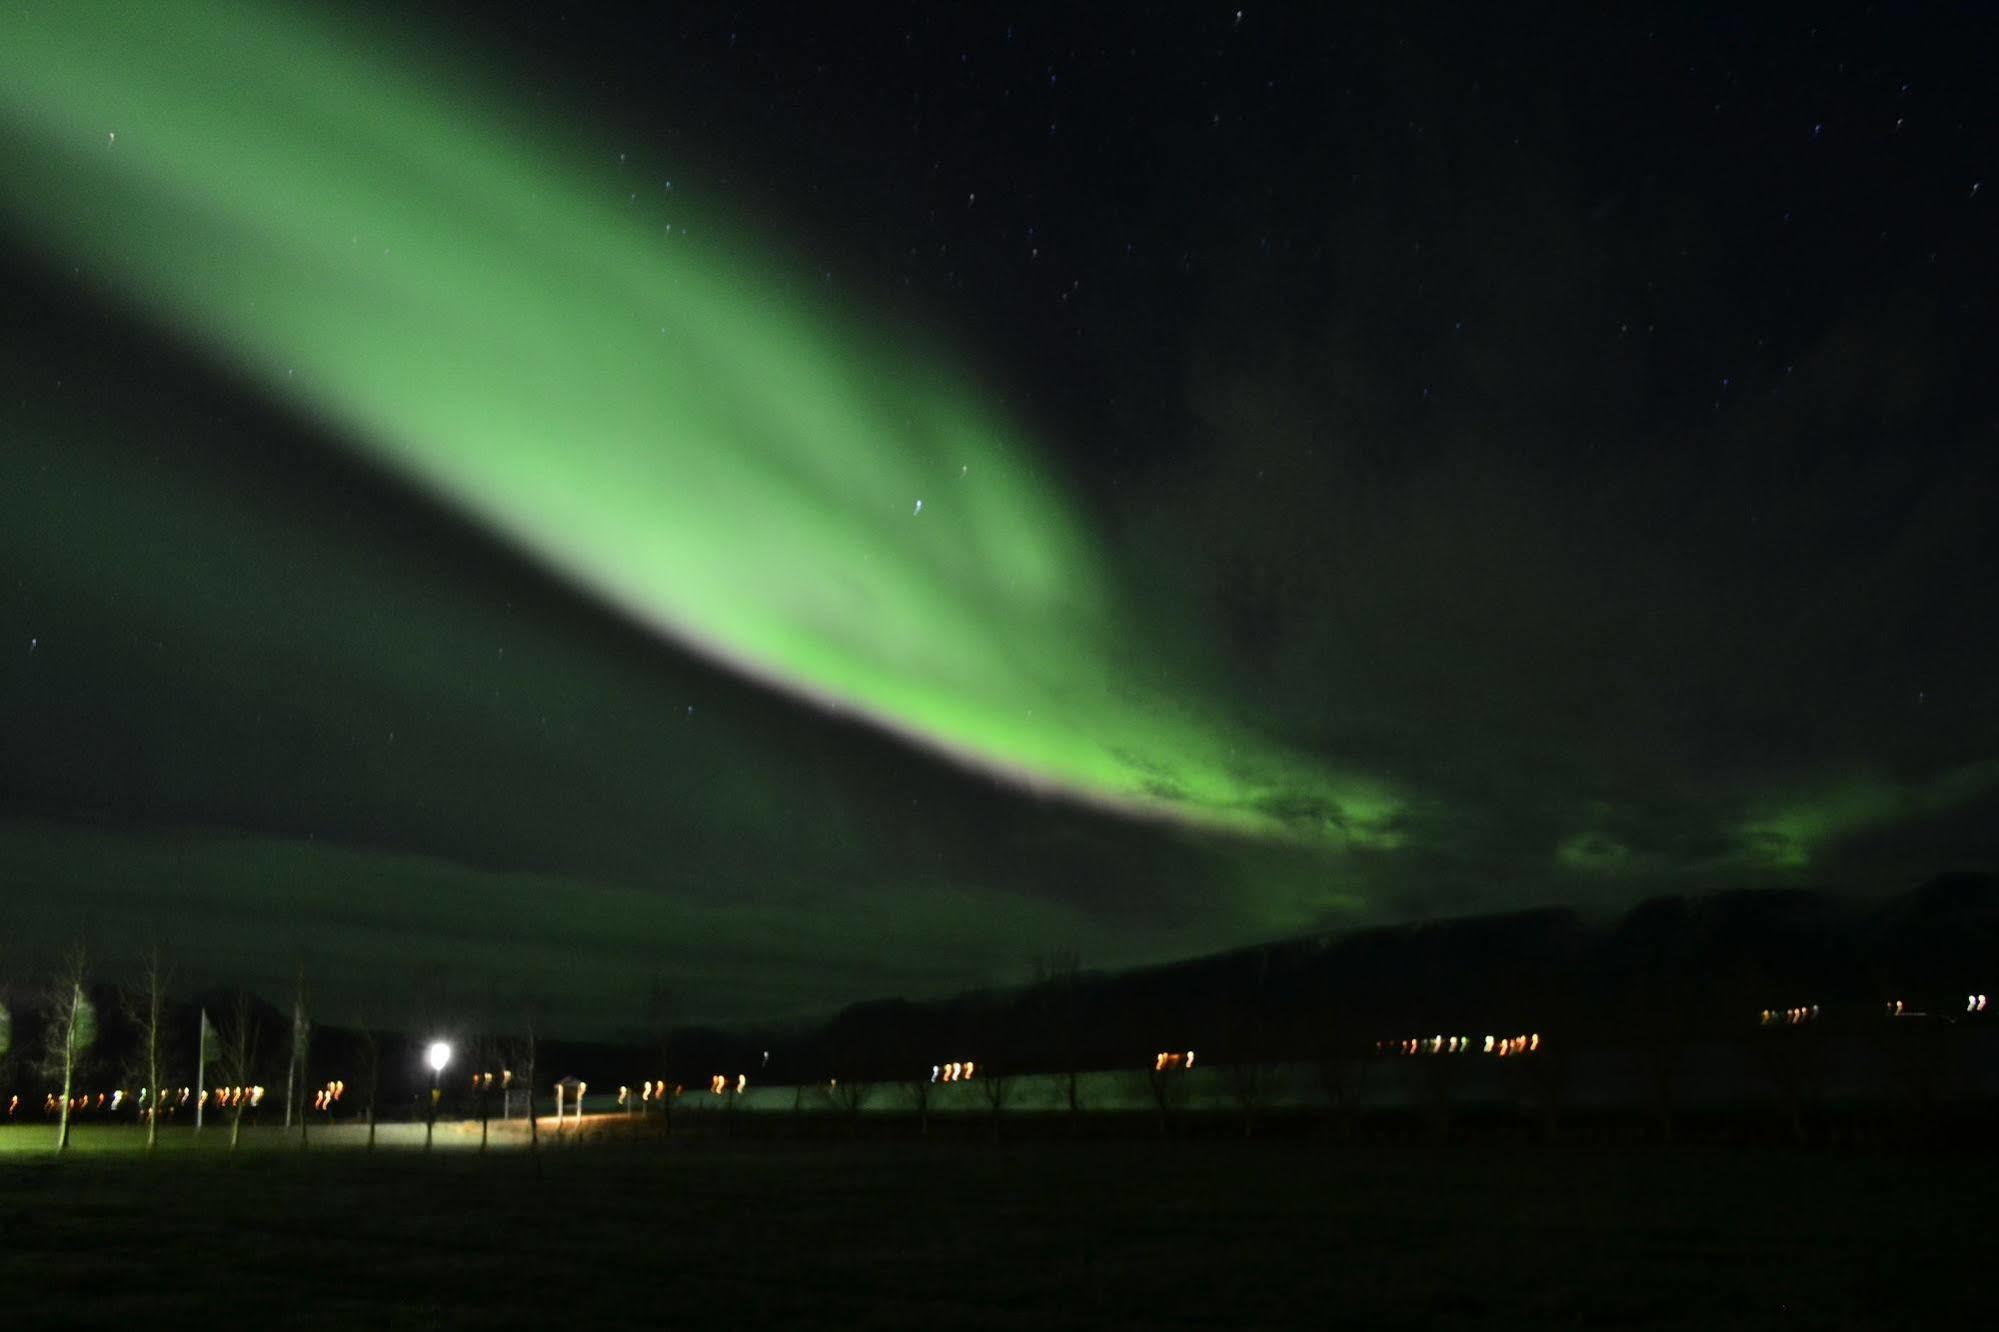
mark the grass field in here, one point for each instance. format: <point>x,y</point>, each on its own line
<point>717,1232</point>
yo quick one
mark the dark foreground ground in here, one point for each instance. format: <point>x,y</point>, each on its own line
<point>721,1233</point>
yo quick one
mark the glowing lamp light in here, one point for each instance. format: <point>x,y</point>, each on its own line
<point>438,1055</point>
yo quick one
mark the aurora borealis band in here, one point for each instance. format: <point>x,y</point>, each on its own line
<point>624,391</point>
<point>822,506</point>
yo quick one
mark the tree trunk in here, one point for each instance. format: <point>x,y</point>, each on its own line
<point>153,1060</point>
<point>534,1123</point>
<point>68,1076</point>
<point>302,1046</point>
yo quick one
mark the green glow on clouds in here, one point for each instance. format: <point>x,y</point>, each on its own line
<point>1789,834</point>
<point>620,386</point>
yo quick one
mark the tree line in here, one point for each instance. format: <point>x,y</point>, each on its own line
<point>1660,979</point>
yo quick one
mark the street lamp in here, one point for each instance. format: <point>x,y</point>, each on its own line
<point>437,1056</point>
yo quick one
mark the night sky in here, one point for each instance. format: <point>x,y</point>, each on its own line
<point>522,507</point>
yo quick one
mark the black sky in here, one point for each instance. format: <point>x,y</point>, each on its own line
<point>1587,422</point>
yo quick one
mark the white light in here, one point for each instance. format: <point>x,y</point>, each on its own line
<point>438,1055</point>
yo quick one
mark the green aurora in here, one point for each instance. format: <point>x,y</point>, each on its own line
<point>621,389</point>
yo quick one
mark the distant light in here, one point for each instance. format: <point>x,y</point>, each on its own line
<point>438,1055</point>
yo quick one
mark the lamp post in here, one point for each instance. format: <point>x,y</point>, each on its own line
<point>437,1056</point>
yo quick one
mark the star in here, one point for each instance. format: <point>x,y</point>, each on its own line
<point>919,508</point>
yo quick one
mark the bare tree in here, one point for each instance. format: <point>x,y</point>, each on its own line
<point>1322,1025</point>
<point>659,1020</point>
<point>371,1076</point>
<point>848,1096</point>
<point>1248,1082</point>
<point>1793,1054</point>
<point>527,1075</point>
<point>299,1077</point>
<point>1247,1076</point>
<point>483,1048</point>
<point>995,1084</point>
<point>6,1030</point>
<point>72,1031</point>
<point>1342,1081</point>
<point>918,1086</point>
<point>1058,978</point>
<point>1167,1084</point>
<point>239,1061</point>
<point>148,1009</point>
